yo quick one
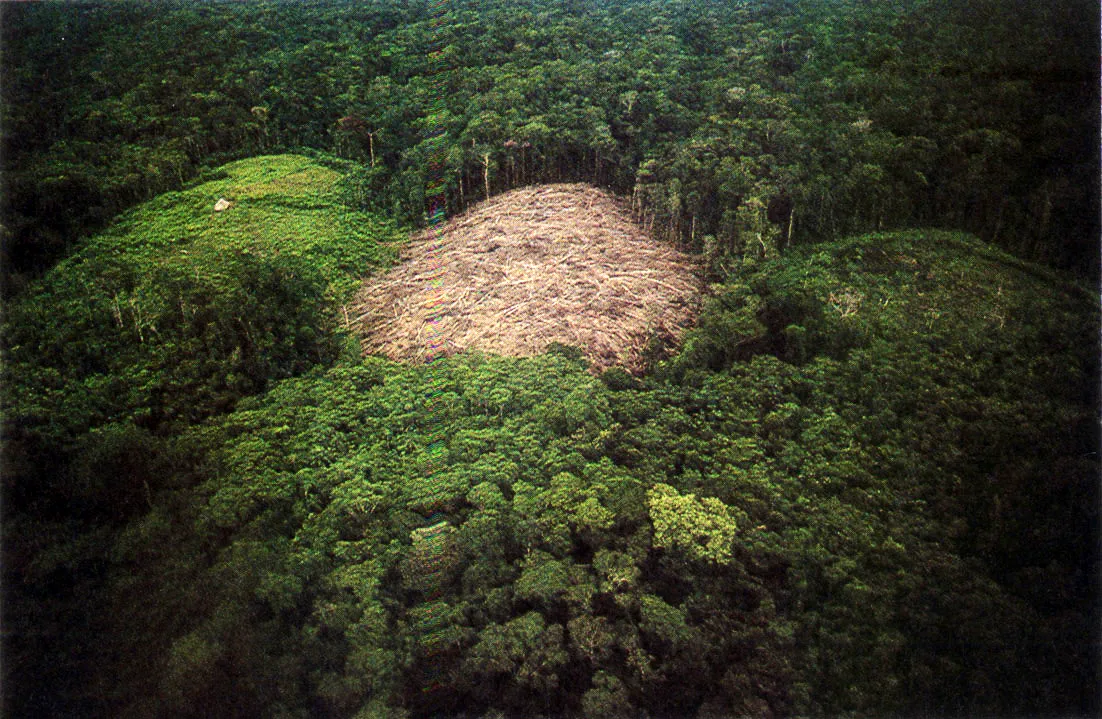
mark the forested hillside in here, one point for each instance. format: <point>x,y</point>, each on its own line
<point>865,482</point>
<point>815,117</point>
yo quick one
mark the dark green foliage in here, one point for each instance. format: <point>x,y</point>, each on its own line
<point>178,312</point>
<point>737,128</point>
<point>899,522</point>
<point>109,104</point>
<point>918,409</point>
<point>170,317</point>
<point>866,485</point>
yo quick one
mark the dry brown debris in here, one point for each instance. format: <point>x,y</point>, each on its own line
<point>553,263</point>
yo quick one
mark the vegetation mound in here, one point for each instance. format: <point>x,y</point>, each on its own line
<point>561,263</point>
<point>177,311</point>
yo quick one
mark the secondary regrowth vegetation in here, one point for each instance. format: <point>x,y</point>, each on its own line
<point>562,263</point>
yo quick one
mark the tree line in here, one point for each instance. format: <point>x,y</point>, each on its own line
<point>736,127</point>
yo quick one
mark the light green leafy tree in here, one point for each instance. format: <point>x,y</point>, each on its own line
<point>701,529</point>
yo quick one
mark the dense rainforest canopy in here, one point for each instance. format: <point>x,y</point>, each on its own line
<point>856,116</point>
<point>865,483</point>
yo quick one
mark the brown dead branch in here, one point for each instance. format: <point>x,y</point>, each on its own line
<point>552,263</point>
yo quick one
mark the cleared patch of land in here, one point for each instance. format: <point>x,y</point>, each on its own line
<point>554,263</point>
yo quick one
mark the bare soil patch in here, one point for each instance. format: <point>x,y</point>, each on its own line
<point>553,263</point>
